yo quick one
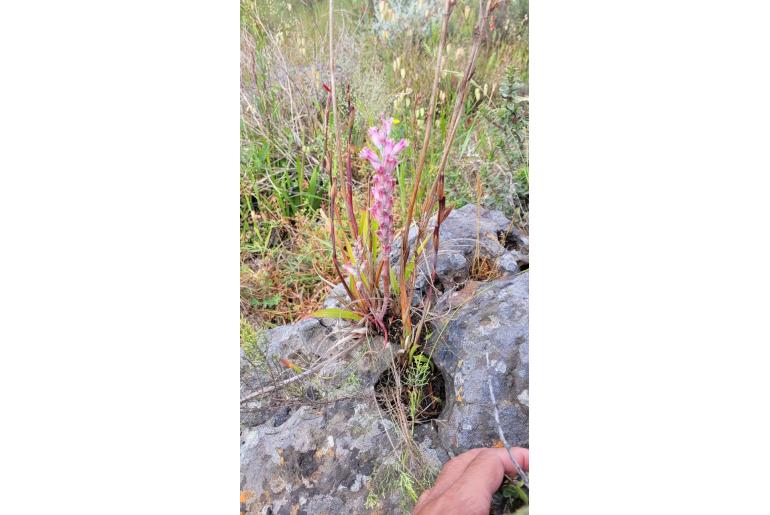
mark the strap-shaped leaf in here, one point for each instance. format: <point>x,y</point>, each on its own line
<point>336,313</point>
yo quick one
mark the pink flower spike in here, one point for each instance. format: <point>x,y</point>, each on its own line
<point>377,137</point>
<point>387,124</point>
<point>369,154</point>
<point>384,163</point>
<point>401,145</point>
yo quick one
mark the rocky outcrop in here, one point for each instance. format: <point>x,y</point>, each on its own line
<point>484,320</point>
<point>319,460</point>
<point>468,233</point>
<point>325,446</point>
<point>328,448</point>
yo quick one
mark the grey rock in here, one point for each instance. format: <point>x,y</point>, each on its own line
<point>457,248</point>
<point>319,455</point>
<point>303,337</point>
<point>464,231</point>
<point>320,460</point>
<point>244,362</point>
<point>484,318</point>
<point>304,342</point>
<point>322,455</point>
<point>337,298</point>
<point>508,263</point>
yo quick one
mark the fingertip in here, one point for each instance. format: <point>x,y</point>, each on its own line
<point>520,454</point>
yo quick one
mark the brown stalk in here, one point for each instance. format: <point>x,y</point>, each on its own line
<point>405,302</point>
<point>288,89</point>
<point>437,190</point>
<point>328,158</point>
<point>349,170</point>
<point>327,163</point>
<point>332,201</point>
<point>332,182</point>
<point>333,185</point>
<point>297,377</point>
<point>337,139</point>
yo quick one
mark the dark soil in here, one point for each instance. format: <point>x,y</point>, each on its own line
<point>433,394</point>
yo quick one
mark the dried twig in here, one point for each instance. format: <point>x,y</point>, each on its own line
<point>288,89</point>
<point>306,373</point>
<point>437,189</point>
<point>405,300</point>
<point>463,88</point>
<point>519,470</point>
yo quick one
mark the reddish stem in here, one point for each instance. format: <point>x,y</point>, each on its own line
<point>349,170</point>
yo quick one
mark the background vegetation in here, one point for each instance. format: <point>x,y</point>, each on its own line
<point>385,54</point>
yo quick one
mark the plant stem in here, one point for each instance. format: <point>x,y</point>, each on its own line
<point>405,298</point>
<point>437,190</point>
<point>348,167</point>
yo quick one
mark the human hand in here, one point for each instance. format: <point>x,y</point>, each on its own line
<point>467,482</point>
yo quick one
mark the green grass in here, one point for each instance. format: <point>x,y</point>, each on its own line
<point>253,344</point>
<point>417,377</point>
<point>285,255</point>
<point>286,264</point>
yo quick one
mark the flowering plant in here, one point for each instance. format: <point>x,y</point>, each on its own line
<point>374,296</point>
<point>384,183</point>
<point>367,278</point>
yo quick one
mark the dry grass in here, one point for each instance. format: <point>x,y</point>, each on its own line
<point>284,62</point>
<point>387,60</point>
<point>291,279</point>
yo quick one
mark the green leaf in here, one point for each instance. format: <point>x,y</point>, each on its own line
<point>272,300</point>
<point>312,188</point>
<point>409,268</point>
<point>336,313</point>
<point>267,302</point>
<point>300,173</point>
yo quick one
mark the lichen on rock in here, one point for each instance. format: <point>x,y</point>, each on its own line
<point>325,446</point>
